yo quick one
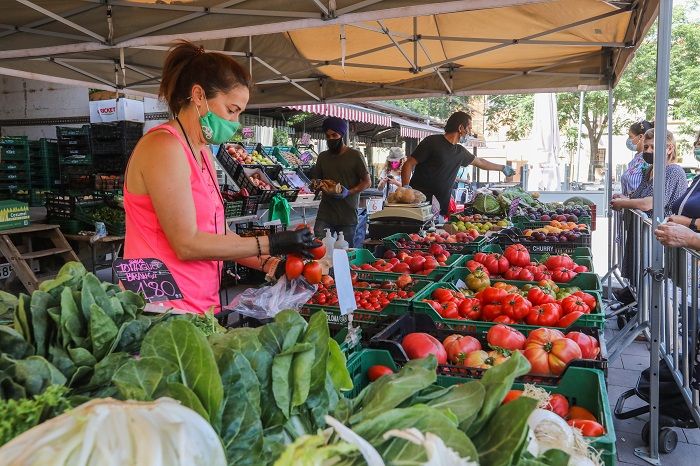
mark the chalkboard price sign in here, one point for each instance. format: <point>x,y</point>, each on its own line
<point>149,277</point>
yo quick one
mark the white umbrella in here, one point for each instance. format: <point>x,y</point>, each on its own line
<point>544,161</point>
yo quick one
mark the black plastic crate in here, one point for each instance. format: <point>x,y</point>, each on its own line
<point>230,166</point>
<point>251,229</point>
<point>69,132</point>
<point>116,130</point>
<point>69,202</point>
<point>14,165</point>
<point>390,339</point>
<point>111,164</point>
<point>104,182</point>
<point>248,205</point>
<point>242,179</point>
<point>290,194</point>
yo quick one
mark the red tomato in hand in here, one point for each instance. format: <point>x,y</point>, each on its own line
<point>516,307</point>
<point>558,404</point>
<point>458,346</point>
<point>518,255</point>
<point>419,345</point>
<point>502,336</point>
<point>374,372</point>
<point>318,252</point>
<point>293,267</point>
<point>550,356</point>
<point>313,273</point>
<point>588,344</point>
<point>588,428</point>
<point>544,315</point>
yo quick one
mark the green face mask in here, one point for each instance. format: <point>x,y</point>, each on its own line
<point>696,152</point>
<point>217,130</point>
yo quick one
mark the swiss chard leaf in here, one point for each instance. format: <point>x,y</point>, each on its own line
<point>130,335</point>
<point>318,334</point>
<point>283,333</point>
<point>13,344</point>
<point>105,369</point>
<point>70,275</point>
<point>21,318</point>
<point>179,342</point>
<point>103,331</point>
<point>63,362</point>
<point>72,326</point>
<point>184,395</point>
<point>497,381</point>
<point>141,379</point>
<point>500,438</point>
<point>282,377</point>
<point>337,367</point>
<point>463,400</point>
<point>241,428</point>
<point>91,284</point>
<point>36,374</point>
<point>38,306</point>
<point>390,391</point>
<point>82,357</point>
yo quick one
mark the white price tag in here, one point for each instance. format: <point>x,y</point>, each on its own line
<point>374,204</point>
<point>435,206</point>
<point>5,270</point>
<point>343,282</point>
<point>460,284</point>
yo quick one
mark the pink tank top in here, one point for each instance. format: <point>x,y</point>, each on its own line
<point>198,280</point>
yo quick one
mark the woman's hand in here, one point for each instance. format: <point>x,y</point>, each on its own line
<point>618,203</point>
<point>395,182</point>
<point>680,219</point>
<point>292,241</point>
<point>675,235</point>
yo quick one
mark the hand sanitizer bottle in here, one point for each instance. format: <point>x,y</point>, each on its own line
<point>341,243</point>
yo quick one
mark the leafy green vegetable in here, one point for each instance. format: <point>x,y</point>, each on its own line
<point>313,450</point>
<point>141,379</point>
<point>18,416</point>
<point>486,204</point>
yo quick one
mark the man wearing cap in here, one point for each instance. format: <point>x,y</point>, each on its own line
<point>346,166</point>
<point>433,166</point>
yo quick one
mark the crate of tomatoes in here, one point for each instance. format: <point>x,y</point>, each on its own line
<point>432,264</point>
<point>468,353</point>
<point>478,303</point>
<point>517,263</point>
<point>458,243</point>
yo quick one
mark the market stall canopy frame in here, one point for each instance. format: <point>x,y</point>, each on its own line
<point>318,51</point>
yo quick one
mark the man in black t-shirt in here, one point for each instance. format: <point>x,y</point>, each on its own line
<point>433,166</point>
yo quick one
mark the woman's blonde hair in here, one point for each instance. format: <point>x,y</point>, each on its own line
<point>670,140</point>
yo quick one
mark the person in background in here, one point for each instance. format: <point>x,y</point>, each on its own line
<point>632,177</point>
<point>346,166</point>
<point>174,210</point>
<point>390,176</point>
<point>681,228</point>
<point>676,182</point>
<point>432,168</point>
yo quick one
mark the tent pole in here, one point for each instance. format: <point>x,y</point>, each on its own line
<point>578,144</point>
<point>663,63</point>
<point>608,184</point>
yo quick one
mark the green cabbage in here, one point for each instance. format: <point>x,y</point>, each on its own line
<point>486,204</point>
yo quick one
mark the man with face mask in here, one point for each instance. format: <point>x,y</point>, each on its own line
<point>433,166</point>
<point>347,167</point>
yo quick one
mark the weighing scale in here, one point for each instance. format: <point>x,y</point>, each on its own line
<point>400,218</point>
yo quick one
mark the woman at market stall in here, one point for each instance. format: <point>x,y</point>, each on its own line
<point>174,209</point>
<point>632,177</point>
<point>390,176</point>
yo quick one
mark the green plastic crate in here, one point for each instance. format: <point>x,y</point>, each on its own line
<point>523,222</point>
<point>390,242</point>
<point>363,256</point>
<point>596,319</point>
<point>360,362</point>
<point>586,281</point>
<point>579,252</point>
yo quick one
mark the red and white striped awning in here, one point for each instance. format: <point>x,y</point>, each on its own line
<point>347,112</point>
<point>415,130</point>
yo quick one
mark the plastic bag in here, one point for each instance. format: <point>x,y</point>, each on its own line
<point>268,301</point>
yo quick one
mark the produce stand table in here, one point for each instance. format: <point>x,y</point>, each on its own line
<point>114,243</point>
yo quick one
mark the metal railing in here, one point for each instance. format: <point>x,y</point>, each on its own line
<point>673,328</point>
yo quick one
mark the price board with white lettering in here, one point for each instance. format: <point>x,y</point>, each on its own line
<point>149,277</point>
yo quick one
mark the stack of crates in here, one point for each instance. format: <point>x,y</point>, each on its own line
<point>75,158</point>
<point>46,175</point>
<point>15,180</point>
<point>112,144</point>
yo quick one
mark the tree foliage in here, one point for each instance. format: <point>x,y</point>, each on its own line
<point>437,107</point>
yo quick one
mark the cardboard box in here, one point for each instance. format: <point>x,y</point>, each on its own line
<point>105,111</point>
<point>13,214</point>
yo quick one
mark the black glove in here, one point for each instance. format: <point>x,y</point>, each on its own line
<point>280,269</point>
<point>293,242</point>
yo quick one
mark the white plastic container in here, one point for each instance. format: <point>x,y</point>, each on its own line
<point>341,243</point>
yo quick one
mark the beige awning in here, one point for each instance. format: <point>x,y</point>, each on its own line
<point>303,53</point>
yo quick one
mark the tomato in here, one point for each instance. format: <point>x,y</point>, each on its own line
<point>450,311</point>
<point>470,308</point>
<point>518,255</point>
<point>502,336</point>
<point>404,281</point>
<point>401,267</point>
<point>318,252</point>
<point>478,280</point>
<point>578,412</point>
<point>327,281</point>
<point>544,315</point>
<point>507,287</point>
<point>539,296</point>
<point>569,319</point>
<point>496,264</point>
<point>548,284</point>
<point>515,306</point>
<point>312,272</point>
<point>574,303</point>
<point>293,267</point>
<point>588,299</point>
<point>483,360</point>
<point>504,319</point>
<point>525,275</point>
<point>458,346</point>
<point>588,428</point>
<point>558,404</point>
<point>374,372</point>
<point>473,266</point>
<point>548,355</point>
<point>563,275</point>
<point>490,312</point>
<point>443,295</point>
<point>588,344</point>
<point>580,269</point>
<point>512,395</point>
<point>554,262</point>
<point>492,295</point>
<point>512,273</point>
<point>480,257</point>
<point>419,345</point>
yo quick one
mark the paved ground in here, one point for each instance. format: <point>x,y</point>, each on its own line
<point>623,375</point>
